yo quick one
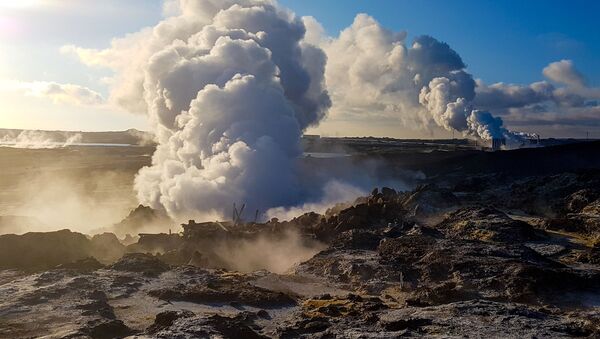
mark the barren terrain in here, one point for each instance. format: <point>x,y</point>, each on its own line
<point>500,244</point>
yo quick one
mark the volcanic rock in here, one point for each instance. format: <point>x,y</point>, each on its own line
<point>84,265</point>
<point>107,247</point>
<point>577,201</point>
<point>225,292</point>
<point>141,263</point>
<point>42,251</point>
<point>429,199</point>
<point>215,326</point>
<point>142,217</point>
<point>485,224</point>
<point>166,319</point>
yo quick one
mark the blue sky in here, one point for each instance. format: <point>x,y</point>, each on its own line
<point>509,41</point>
<point>500,41</point>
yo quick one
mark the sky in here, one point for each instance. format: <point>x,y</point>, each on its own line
<point>43,86</point>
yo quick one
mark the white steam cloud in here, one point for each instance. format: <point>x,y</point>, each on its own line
<point>372,71</point>
<point>230,86</point>
<point>454,112</point>
<point>39,139</point>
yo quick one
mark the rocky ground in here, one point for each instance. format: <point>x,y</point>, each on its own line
<point>482,256</point>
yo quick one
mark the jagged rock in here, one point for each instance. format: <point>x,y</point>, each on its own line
<point>547,250</point>
<point>448,270</point>
<point>152,243</point>
<point>107,247</point>
<point>357,239</point>
<point>592,209</point>
<point>590,256</point>
<point>486,224</point>
<point>140,262</point>
<point>551,196</point>
<point>577,201</point>
<point>224,293</point>
<point>108,330</point>
<point>84,265</point>
<point>485,319</point>
<point>42,251</point>
<point>585,225</point>
<point>428,199</point>
<point>215,326</point>
<point>143,217</point>
<point>164,320</point>
<point>477,273</point>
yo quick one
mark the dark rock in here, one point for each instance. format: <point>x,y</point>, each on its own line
<point>225,292</point>
<point>42,251</point>
<point>97,304</point>
<point>547,250</point>
<point>215,326</point>
<point>577,201</point>
<point>84,265</point>
<point>109,330</point>
<point>263,314</point>
<point>166,319</point>
<point>140,262</point>
<point>140,218</point>
<point>404,324</point>
<point>357,239</point>
<point>486,224</point>
<point>107,247</point>
<point>428,199</point>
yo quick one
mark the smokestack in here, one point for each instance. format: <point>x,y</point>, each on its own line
<point>498,143</point>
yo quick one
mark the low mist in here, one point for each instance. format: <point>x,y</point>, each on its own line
<point>274,253</point>
<point>52,201</point>
<point>39,139</point>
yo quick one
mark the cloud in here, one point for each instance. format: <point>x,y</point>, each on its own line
<point>372,74</point>
<point>571,103</point>
<point>58,93</point>
<point>586,117</point>
<point>564,72</point>
<point>375,74</point>
<point>500,96</point>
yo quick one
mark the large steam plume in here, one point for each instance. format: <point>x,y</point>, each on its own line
<point>229,87</point>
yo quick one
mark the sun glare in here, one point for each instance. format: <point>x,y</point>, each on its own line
<point>20,4</point>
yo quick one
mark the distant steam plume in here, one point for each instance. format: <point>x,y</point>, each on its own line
<point>371,71</point>
<point>39,139</point>
<point>454,112</point>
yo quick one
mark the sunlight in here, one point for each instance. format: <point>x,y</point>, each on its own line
<point>20,4</point>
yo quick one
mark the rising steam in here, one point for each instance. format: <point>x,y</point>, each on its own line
<point>231,85</point>
<point>39,139</point>
<point>372,71</point>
